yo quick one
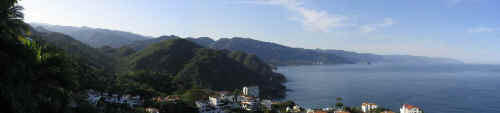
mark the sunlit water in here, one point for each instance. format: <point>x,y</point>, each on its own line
<point>434,88</point>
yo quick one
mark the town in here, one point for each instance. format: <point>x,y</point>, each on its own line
<point>246,101</point>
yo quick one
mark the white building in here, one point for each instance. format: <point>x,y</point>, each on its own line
<point>251,91</point>
<point>205,107</point>
<point>366,107</point>
<point>250,103</point>
<point>407,108</point>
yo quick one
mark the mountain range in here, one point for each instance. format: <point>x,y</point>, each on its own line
<point>272,53</point>
<point>94,37</point>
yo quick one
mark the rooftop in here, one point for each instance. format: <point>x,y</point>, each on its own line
<point>408,106</point>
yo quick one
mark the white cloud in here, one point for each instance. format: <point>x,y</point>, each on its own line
<point>373,27</point>
<point>482,30</point>
<point>312,19</point>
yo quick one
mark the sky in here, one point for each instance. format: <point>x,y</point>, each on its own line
<point>467,30</point>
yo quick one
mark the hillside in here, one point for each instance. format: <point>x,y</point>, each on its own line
<point>74,48</point>
<point>93,36</point>
<point>278,54</point>
<point>271,53</point>
<point>193,66</point>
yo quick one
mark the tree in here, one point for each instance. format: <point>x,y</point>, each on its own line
<point>34,78</point>
<point>339,103</point>
<point>11,20</point>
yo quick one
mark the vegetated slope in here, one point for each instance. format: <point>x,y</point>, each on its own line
<point>202,41</point>
<point>74,48</point>
<point>93,36</point>
<point>142,44</point>
<point>196,67</point>
<point>278,54</point>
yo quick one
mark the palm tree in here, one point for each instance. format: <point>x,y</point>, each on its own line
<point>11,20</point>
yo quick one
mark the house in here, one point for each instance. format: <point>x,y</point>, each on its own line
<point>152,110</point>
<point>250,103</point>
<point>407,108</point>
<point>205,107</point>
<point>367,107</point>
<point>251,91</point>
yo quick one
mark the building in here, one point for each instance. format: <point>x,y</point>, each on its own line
<point>251,91</point>
<point>407,108</point>
<point>152,110</point>
<point>367,107</point>
<point>205,107</point>
<point>250,103</point>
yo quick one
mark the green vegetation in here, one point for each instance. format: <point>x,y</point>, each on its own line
<point>48,72</point>
<point>192,66</point>
<point>35,78</point>
<point>281,107</point>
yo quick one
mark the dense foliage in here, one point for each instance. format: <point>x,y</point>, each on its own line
<point>193,66</point>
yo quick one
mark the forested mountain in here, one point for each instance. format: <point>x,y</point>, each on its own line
<point>94,37</point>
<point>74,48</point>
<point>193,66</point>
<point>278,54</point>
<point>203,41</point>
<point>272,53</point>
<point>141,44</point>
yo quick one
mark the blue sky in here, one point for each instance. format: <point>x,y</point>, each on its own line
<point>467,30</point>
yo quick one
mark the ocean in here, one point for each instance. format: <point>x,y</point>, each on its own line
<point>443,88</point>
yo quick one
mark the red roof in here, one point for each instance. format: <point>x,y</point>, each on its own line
<point>408,106</point>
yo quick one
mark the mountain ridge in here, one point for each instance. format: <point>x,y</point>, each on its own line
<point>95,37</point>
<point>281,55</point>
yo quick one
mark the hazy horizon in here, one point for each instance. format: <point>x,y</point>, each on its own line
<point>465,30</point>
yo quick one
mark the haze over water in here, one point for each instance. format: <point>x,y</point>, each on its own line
<point>455,88</point>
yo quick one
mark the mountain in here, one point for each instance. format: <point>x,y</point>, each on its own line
<point>203,41</point>
<point>401,59</point>
<point>73,48</point>
<point>193,66</point>
<point>94,37</point>
<point>178,63</point>
<point>141,44</point>
<point>278,54</point>
<point>271,53</point>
